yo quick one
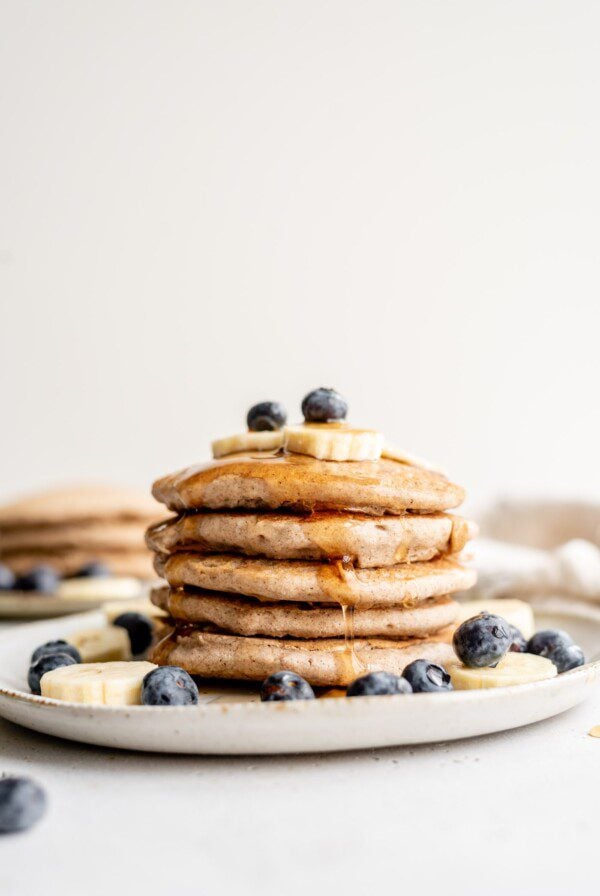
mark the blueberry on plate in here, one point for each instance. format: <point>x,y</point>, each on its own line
<point>169,686</point>
<point>51,647</point>
<point>378,683</point>
<point>567,658</point>
<point>519,641</point>
<point>22,804</point>
<point>424,676</point>
<point>266,415</point>
<point>558,646</point>
<point>547,640</point>
<point>285,686</point>
<point>96,569</point>
<point>43,579</point>
<point>324,405</point>
<point>139,628</point>
<point>46,663</point>
<point>7,578</point>
<point>482,640</point>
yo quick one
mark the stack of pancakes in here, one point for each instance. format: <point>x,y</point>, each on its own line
<point>71,527</point>
<point>325,568</point>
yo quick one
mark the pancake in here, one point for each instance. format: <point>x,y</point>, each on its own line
<point>305,581</point>
<point>298,482</point>
<point>247,616</point>
<point>76,504</point>
<point>365,540</point>
<point>327,662</point>
<point>120,563</point>
<point>127,535</point>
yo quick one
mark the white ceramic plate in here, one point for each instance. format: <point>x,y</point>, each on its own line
<point>232,721</point>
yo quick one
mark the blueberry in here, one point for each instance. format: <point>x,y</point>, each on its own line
<point>519,641</point>
<point>139,629</point>
<point>169,686</point>
<point>285,686</point>
<point>566,658</point>
<point>22,804</point>
<point>378,683</point>
<point>7,578</point>
<point>547,640</point>
<point>51,647</point>
<point>322,405</point>
<point>558,646</point>
<point>46,663</point>
<point>482,640</point>
<point>425,676</point>
<point>96,569</point>
<point>266,415</point>
<point>41,578</point>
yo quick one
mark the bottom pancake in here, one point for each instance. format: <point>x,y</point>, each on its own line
<point>323,663</point>
<point>247,616</point>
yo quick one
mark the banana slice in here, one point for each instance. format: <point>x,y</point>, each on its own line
<point>110,684</point>
<point>99,588</point>
<point>403,457</point>
<point>333,442</point>
<point>102,645</point>
<point>517,612</point>
<point>514,668</point>
<point>144,605</point>
<point>247,441</point>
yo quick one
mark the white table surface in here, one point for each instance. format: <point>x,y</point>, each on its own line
<point>511,813</point>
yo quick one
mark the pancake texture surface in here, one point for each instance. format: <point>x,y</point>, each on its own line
<point>248,617</point>
<point>367,541</point>
<point>303,581</point>
<point>326,662</point>
<point>274,481</point>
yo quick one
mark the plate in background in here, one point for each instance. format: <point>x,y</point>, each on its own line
<point>231,720</point>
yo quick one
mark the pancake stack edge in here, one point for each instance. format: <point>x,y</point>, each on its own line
<point>328,569</point>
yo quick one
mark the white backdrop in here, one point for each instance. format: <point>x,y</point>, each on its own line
<point>205,204</point>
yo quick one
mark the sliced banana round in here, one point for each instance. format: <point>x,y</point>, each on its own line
<point>99,588</point>
<point>102,645</point>
<point>108,684</point>
<point>327,441</point>
<point>517,612</point>
<point>403,457</point>
<point>247,441</point>
<point>514,668</point>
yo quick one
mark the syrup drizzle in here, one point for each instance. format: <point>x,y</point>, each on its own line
<point>338,582</point>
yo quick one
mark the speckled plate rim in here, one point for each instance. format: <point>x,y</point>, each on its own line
<point>306,726</point>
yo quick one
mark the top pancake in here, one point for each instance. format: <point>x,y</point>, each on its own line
<point>77,504</point>
<point>301,483</point>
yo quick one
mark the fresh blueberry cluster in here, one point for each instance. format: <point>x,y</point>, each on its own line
<point>319,406</point>
<point>481,641</point>
<point>485,639</point>
<point>44,579</point>
<point>47,657</point>
<point>164,686</point>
